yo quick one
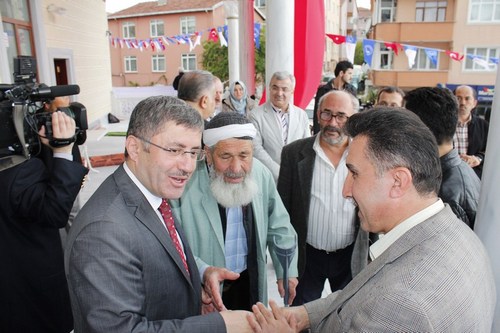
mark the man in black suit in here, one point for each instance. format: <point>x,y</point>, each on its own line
<point>35,202</point>
<point>324,221</point>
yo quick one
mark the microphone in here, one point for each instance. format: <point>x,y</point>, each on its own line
<point>44,92</point>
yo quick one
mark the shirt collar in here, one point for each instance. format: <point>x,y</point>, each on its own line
<point>153,200</point>
<point>385,241</point>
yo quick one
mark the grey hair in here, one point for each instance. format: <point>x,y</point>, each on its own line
<point>194,85</point>
<point>283,75</point>
<point>354,100</point>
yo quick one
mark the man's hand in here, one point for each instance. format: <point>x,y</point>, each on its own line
<point>471,160</point>
<point>236,321</point>
<point>275,321</point>
<point>63,127</point>
<point>292,285</point>
<point>212,278</point>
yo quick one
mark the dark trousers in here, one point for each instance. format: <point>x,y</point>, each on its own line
<point>236,293</point>
<point>321,266</point>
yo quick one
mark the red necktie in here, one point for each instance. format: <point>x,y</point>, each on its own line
<point>166,213</point>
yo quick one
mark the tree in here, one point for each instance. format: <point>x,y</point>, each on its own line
<point>359,56</point>
<point>215,59</point>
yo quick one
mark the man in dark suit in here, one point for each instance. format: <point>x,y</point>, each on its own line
<point>324,221</point>
<point>35,202</point>
<point>128,263</point>
<point>429,272</point>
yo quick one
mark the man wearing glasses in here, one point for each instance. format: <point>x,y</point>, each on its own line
<point>310,183</point>
<point>128,263</point>
<point>232,213</point>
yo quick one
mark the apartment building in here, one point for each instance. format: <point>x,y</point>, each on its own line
<point>469,27</point>
<point>162,20</point>
<point>68,40</point>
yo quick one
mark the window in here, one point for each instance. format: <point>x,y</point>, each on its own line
<point>484,11</point>
<point>260,3</point>
<point>156,28</point>
<point>387,8</point>
<point>130,64</point>
<point>188,25</point>
<point>158,63</point>
<point>128,30</point>
<point>189,61</point>
<point>385,57</point>
<point>431,11</point>
<point>422,61</point>
<point>483,63</point>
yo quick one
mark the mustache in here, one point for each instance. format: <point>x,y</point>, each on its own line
<point>179,173</point>
<point>234,175</point>
<point>330,128</point>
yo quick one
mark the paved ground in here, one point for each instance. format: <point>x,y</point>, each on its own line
<point>98,144</point>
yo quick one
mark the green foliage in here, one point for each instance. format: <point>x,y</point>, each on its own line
<point>359,56</point>
<point>215,59</point>
<point>133,84</point>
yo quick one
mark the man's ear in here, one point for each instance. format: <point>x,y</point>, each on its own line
<point>208,155</point>
<point>203,102</point>
<point>133,146</point>
<point>402,182</point>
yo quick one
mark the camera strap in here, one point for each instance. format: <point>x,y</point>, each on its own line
<point>62,142</point>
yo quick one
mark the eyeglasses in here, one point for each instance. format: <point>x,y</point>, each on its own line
<point>327,116</point>
<point>198,154</point>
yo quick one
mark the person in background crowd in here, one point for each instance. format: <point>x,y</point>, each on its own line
<point>278,122</point>
<point>238,99</point>
<point>177,79</point>
<point>472,131</point>
<point>390,96</point>
<point>219,92</point>
<point>197,88</point>
<point>342,81</point>
<point>232,213</point>
<point>325,221</point>
<point>438,109</point>
<point>429,273</point>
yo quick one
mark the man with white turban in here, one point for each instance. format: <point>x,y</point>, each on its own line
<point>231,212</point>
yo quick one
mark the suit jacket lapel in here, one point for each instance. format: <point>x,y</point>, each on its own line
<point>270,116</point>
<point>147,216</point>
<point>305,167</point>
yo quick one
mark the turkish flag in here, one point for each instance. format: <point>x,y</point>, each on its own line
<point>213,35</point>
<point>393,46</point>
<point>337,39</point>
<point>455,55</point>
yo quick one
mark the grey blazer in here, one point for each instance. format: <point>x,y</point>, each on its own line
<point>269,140</point>
<point>124,273</point>
<point>436,278</point>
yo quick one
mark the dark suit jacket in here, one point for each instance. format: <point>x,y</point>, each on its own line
<point>123,270</point>
<point>477,130</point>
<point>294,186</point>
<point>34,204</point>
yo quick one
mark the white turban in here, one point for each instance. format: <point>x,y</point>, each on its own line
<point>213,135</point>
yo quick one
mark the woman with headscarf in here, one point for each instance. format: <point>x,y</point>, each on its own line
<point>238,99</point>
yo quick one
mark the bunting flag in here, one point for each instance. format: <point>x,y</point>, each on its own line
<point>455,55</point>
<point>411,54</point>
<point>256,35</point>
<point>337,39</point>
<point>223,41</point>
<point>494,60</point>
<point>368,47</point>
<point>395,47</point>
<point>350,47</point>
<point>480,61</point>
<point>213,36</point>
<point>432,54</point>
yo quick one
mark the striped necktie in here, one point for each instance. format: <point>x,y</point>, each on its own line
<point>284,125</point>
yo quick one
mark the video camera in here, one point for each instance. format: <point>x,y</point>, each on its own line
<point>22,114</point>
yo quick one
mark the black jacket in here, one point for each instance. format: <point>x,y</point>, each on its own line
<point>478,134</point>
<point>460,187</point>
<point>322,90</point>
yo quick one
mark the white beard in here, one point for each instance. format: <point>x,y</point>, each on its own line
<point>232,195</point>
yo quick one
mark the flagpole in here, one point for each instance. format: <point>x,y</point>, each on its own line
<point>487,225</point>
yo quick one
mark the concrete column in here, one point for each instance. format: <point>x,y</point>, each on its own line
<point>231,8</point>
<point>247,50</point>
<point>279,37</point>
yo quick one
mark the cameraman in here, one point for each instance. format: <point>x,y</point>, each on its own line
<point>46,155</point>
<point>35,202</point>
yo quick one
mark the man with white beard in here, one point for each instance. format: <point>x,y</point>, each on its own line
<point>231,212</point>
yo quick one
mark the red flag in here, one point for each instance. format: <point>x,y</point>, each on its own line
<point>455,55</point>
<point>213,35</point>
<point>395,47</point>
<point>337,39</point>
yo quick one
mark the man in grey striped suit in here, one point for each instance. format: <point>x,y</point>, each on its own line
<point>429,272</point>
<point>310,183</point>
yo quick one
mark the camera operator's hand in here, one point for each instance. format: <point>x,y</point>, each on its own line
<point>63,127</point>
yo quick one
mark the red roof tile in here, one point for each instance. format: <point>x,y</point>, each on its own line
<point>152,7</point>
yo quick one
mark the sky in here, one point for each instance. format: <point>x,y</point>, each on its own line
<point>116,5</point>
